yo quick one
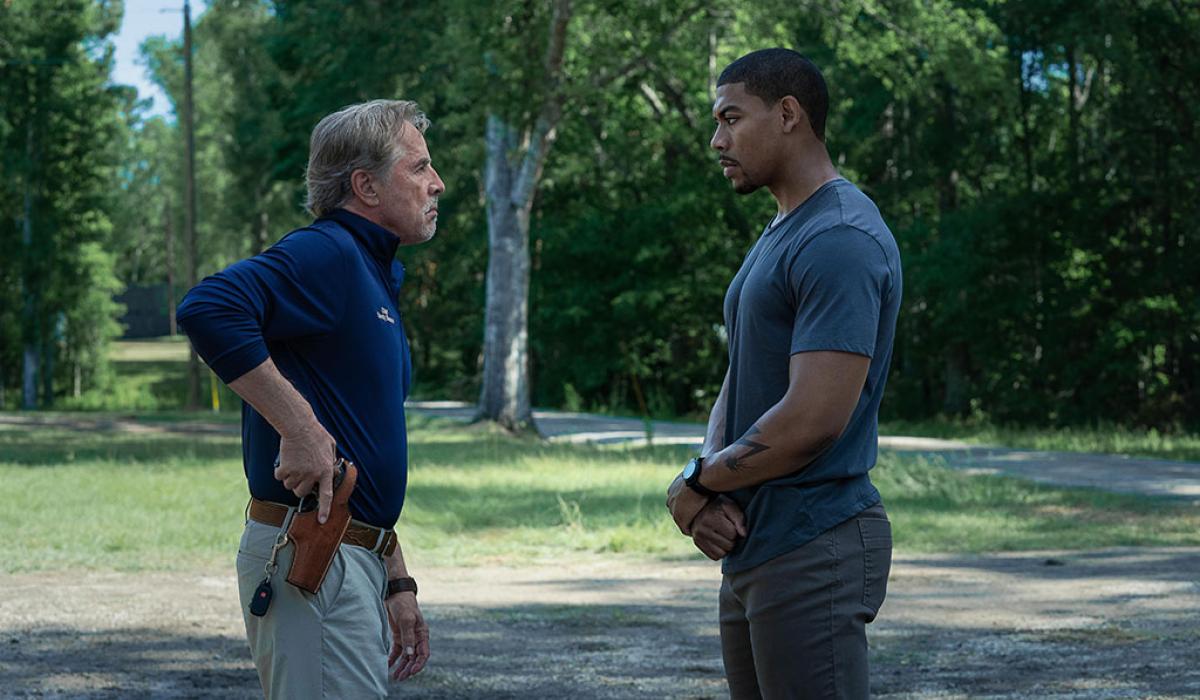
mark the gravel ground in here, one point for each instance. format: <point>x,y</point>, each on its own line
<point>1120,623</point>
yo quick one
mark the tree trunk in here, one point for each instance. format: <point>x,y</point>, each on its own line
<point>505,394</point>
<point>49,345</point>
<point>510,183</point>
<point>956,400</point>
<point>31,357</point>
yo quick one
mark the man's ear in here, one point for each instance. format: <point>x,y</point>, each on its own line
<point>363,187</point>
<point>792,115</point>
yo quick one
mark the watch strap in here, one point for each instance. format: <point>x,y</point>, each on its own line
<point>401,585</point>
<point>694,483</point>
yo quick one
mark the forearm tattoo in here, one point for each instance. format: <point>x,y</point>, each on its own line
<point>735,462</point>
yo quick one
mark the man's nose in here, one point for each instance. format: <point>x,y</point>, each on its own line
<point>438,186</point>
<point>718,141</point>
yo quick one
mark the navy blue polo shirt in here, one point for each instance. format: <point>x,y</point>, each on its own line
<point>825,278</point>
<point>322,304</point>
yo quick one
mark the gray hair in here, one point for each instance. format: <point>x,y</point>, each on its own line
<point>358,137</point>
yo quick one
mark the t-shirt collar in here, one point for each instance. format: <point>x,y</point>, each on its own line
<point>379,241</point>
<point>774,225</point>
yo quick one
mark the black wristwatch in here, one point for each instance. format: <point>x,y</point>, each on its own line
<point>691,477</point>
<point>401,585</point>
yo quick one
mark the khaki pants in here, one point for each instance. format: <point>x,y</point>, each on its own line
<point>330,645</point>
<point>795,627</point>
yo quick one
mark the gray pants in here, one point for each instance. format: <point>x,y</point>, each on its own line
<point>795,626</point>
<point>330,645</point>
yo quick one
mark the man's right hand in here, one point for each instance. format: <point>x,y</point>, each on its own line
<point>306,460</point>
<point>717,527</point>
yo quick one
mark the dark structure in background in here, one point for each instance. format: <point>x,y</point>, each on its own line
<point>147,311</point>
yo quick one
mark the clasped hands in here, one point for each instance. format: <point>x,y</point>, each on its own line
<point>713,524</point>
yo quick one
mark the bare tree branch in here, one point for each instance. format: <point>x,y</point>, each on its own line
<point>544,128</point>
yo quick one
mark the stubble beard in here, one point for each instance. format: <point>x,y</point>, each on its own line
<point>428,230</point>
<point>746,187</point>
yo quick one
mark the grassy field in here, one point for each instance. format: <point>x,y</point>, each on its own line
<point>150,376</point>
<point>150,382</point>
<point>165,499</point>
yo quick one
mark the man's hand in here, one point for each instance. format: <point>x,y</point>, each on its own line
<point>717,527</point>
<point>684,503</point>
<point>410,636</point>
<point>306,460</point>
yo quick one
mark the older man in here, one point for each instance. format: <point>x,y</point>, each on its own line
<point>308,333</point>
<point>782,493</point>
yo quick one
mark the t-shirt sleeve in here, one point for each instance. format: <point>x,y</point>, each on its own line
<point>838,280</point>
<point>291,290</point>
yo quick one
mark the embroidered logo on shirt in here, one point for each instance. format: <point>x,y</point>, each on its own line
<point>383,315</point>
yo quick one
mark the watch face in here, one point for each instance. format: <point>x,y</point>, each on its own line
<point>689,470</point>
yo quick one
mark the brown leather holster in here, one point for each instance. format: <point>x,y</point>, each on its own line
<point>316,544</point>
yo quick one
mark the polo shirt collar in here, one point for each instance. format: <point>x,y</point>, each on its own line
<point>379,241</point>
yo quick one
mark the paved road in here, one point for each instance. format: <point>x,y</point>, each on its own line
<point>1152,477</point>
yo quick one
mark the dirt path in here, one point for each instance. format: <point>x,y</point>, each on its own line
<point>1109,624</point>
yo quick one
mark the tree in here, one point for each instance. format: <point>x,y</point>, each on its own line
<point>58,124</point>
<point>514,166</point>
<point>1037,163</point>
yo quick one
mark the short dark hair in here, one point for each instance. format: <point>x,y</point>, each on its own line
<point>772,74</point>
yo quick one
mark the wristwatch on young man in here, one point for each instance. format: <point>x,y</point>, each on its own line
<point>401,585</point>
<point>691,477</point>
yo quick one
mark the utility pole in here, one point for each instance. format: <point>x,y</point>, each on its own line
<point>189,218</point>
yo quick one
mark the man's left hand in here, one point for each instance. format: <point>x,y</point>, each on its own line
<point>684,503</point>
<point>410,636</point>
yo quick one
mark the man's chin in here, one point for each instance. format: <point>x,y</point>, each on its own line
<point>422,236</point>
<point>745,186</point>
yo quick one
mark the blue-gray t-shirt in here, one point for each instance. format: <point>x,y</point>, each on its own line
<point>826,277</point>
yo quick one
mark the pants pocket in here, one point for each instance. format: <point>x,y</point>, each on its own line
<point>877,561</point>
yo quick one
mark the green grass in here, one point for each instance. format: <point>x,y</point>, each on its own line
<point>1184,446</point>
<point>151,383</point>
<point>172,500</point>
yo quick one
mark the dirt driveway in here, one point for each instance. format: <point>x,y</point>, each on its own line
<point>1110,624</point>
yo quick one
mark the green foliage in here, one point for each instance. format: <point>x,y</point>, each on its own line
<point>151,375</point>
<point>61,128</point>
<point>1037,162</point>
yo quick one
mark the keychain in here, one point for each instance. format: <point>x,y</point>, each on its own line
<point>262,595</point>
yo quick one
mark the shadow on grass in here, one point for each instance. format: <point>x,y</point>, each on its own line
<point>457,509</point>
<point>490,451</point>
<point>50,447</point>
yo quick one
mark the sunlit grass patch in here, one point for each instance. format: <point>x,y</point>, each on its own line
<point>168,500</point>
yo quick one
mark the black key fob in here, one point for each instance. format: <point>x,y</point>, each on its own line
<point>261,599</point>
